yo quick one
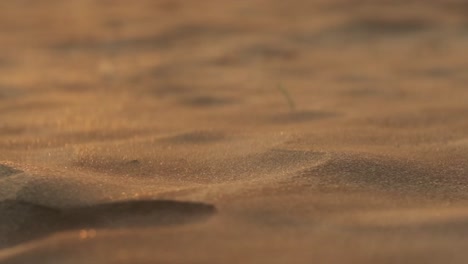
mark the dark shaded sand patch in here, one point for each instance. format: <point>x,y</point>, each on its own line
<point>168,39</point>
<point>301,116</point>
<point>12,130</point>
<point>271,219</point>
<point>457,7</point>
<point>390,174</point>
<point>439,72</point>
<point>254,53</point>
<point>169,6</point>
<point>5,63</point>
<point>168,89</point>
<point>207,101</point>
<point>368,28</point>
<point>450,227</point>
<point>114,23</point>
<point>194,31</point>
<point>24,221</point>
<point>374,92</point>
<point>196,137</point>
<point>423,118</point>
<point>76,87</point>
<point>298,72</point>
<point>29,107</point>
<point>347,6</point>
<point>163,80</point>
<point>171,74</point>
<point>353,78</point>
<point>6,171</point>
<point>434,72</point>
<point>8,92</point>
<point>268,51</point>
<point>277,158</point>
<point>169,70</point>
<point>72,191</point>
<point>381,26</point>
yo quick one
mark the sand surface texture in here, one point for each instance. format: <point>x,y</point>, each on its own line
<point>233,131</point>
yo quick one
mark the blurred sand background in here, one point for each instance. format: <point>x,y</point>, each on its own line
<point>259,131</point>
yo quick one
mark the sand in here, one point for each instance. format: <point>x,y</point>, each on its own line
<point>259,131</point>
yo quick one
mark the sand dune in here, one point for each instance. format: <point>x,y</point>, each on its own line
<point>258,131</point>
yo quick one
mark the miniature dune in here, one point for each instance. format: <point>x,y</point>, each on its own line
<point>233,131</point>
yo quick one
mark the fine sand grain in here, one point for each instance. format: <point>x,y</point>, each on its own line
<point>260,131</point>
